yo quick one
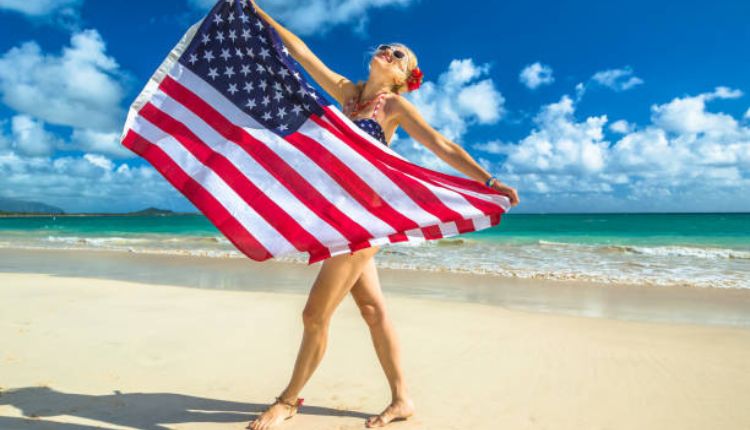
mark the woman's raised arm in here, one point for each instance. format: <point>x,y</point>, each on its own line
<point>414,124</point>
<point>333,83</point>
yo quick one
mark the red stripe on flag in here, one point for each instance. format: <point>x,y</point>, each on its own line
<point>432,232</point>
<point>495,219</point>
<point>253,196</point>
<point>398,237</point>
<point>318,254</point>
<point>199,196</point>
<point>465,225</point>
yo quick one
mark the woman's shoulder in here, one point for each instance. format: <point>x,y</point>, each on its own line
<point>351,90</point>
<point>396,103</point>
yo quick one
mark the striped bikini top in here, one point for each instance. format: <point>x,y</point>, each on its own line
<point>369,125</point>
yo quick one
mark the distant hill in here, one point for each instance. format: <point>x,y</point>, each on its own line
<point>21,206</point>
<point>152,211</point>
<point>15,207</point>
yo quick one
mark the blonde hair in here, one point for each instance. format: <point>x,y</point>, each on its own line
<point>410,65</point>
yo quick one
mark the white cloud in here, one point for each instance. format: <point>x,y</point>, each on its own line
<point>61,12</point>
<point>99,161</point>
<point>39,7</point>
<point>617,79</point>
<point>88,183</point>
<point>621,126</point>
<point>456,101</point>
<point>31,170</point>
<point>687,158</point>
<point>688,114</point>
<point>559,144</point>
<point>535,75</point>
<point>102,142</point>
<point>491,147</point>
<point>580,90</point>
<point>482,101</point>
<point>81,87</point>
<point>747,114</point>
<point>308,17</point>
<point>722,92</point>
<point>30,137</point>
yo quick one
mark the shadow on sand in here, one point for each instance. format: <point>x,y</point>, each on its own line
<point>144,411</point>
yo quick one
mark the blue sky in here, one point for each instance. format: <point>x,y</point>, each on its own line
<point>581,105</point>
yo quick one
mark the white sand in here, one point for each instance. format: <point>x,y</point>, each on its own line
<point>86,353</point>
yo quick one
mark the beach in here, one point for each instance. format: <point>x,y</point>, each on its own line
<point>102,339</point>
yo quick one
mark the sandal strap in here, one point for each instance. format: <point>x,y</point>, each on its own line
<point>296,404</point>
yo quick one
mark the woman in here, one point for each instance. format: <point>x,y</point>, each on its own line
<point>377,107</point>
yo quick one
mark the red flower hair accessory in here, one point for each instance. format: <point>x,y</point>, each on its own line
<point>415,79</point>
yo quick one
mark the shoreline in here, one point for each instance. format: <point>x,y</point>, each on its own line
<point>666,304</point>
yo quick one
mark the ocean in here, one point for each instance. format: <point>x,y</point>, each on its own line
<point>694,250</point>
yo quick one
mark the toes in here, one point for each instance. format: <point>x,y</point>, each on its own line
<point>376,421</point>
<point>257,424</point>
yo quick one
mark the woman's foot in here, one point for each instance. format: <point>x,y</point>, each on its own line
<point>279,411</point>
<point>396,411</point>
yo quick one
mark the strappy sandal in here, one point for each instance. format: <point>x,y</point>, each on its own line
<point>293,407</point>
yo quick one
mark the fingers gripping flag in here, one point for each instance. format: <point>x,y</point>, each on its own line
<point>230,121</point>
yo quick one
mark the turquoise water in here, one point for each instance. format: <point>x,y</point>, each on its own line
<point>702,250</point>
<point>717,230</point>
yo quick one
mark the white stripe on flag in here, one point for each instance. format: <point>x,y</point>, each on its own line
<point>451,199</point>
<point>374,177</point>
<point>265,233</point>
<point>502,201</point>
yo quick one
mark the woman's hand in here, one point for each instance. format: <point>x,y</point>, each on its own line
<point>506,190</point>
<point>333,83</point>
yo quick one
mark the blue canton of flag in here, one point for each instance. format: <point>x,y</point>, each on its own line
<point>244,58</point>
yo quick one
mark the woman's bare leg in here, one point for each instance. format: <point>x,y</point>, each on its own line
<point>336,277</point>
<point>368,295</point>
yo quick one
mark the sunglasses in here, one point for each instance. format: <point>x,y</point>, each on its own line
<point>401,55</point>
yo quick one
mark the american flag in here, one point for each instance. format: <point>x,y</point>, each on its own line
<point>231,122</point>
